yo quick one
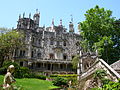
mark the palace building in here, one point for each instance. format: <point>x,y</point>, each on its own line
<point>47,49</point>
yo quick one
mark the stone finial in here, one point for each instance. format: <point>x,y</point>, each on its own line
<point>53,21</point>
<point>29,15</point>
<point>71,18</point>
<point>19,16</point>
<point>36,10</point>
<point>23,14</point>
<point>61,22</point>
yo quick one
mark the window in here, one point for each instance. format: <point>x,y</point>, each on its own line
<point>73,57</point>
<point>38,65</point>
<point>61,66</point>
<point>64,57</point>
<point>64,43</point>
<point>51,56</point>
<point>33,40</point>
<point>22,53</point>
<point>58,43</point>
<point>21,63</point>
<point>39,55</point>
<point>39,42</point>
<point>51,42</point>
<point>32,54</point>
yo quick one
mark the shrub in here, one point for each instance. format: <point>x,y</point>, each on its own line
<point>63,75</point>
<point>40,77</point>
<point>22,72</point>
<point>6,64</point>
<point>59,81</point>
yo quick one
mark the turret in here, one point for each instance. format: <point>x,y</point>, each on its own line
<point>71,26</point>
<point>36,18</point>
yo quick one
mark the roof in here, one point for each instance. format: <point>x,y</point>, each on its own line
<point>116,65</point>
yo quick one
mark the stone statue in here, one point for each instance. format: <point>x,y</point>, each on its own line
<point>9,79</point>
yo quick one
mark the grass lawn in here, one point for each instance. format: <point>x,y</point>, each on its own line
<point>32,84</point>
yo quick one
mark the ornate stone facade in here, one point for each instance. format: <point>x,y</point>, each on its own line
<point>48,49</point>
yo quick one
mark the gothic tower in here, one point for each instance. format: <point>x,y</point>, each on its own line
<point>36,18</point>
<point>71,26</point>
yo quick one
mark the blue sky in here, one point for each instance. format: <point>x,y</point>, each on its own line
<point>49,9</point>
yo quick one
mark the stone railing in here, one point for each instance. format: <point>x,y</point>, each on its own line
<point>54,60</point>
<point>98,64</point>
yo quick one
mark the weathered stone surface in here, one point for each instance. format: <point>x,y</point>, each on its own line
<point>47,49</point>
<point>86,78</point>
<point>116,66</point>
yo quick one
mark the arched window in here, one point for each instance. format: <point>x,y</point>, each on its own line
<point>32,54</point>
<point>73,56</point>
<point>39,55</point>
<point>64,56</point>
<point>64,43</point>
<point>39,42</point>
<point>51,42</point>
<point>51,56</point>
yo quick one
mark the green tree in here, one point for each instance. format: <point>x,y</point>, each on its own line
<point>116,39</point>
<point>10,40</point>
<point>75,61</point>
<point>98,29</point>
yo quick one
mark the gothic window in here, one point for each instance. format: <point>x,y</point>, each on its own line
<point>51,42</point>
<point>16,52</point>
<point>38,65</point>
<point>51,56</point>
<point>64,56</point>
<point>22,53</point>
<point>39,42</point>
<point>61,66</point>
<point>58,43</point>
<point>33,40</point>
<point>32,54</point>
<point>73,57</point>
<point>21,63</point>
<point>39,55</point>
<point>64,43</point>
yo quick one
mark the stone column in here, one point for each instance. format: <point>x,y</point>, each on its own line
<point>43,65</point>
<point>59,65</point>
<point>79,66</point>
<point>51,66</point>
<point>66,66</point>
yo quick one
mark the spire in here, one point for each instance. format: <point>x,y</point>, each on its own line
<point>36,10</point>
<point>60,22</point>
<point>23,14</point>
<point>71,18</point>
<point>53,22</point>
<point>29,15</point>
<point>71,26</point>
<point>19,16</point>
<point>44,26</point>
